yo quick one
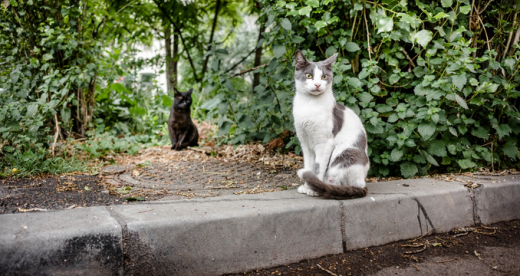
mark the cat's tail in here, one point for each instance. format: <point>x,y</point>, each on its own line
<point>332,191</point>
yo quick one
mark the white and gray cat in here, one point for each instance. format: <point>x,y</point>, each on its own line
<point>332,137</point>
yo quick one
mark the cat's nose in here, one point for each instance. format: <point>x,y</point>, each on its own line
<point>318,85</point>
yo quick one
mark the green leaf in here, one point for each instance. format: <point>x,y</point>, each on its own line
<point>31,110</point>
<point>510,150</point>
<point>297,39</point>
<point>286,24</point>
<point>394,78</point>
<point>453,131</point>
<point>355,82</point>
<point>135,198</point>
<point>320,24</point>
<point>408,169</point>
<point>465,9</point>
<point>365,97</point>
<point>352,47</point>
<point>342,41</point>
<point>446,3</point>
<point>480,132</point>
<point>459,81</point>
<point>427,130</point>
<point>313,3</point>
<point>461,101</point>
<point>437,148</point>
<point>465,164</point>
<point>432,160</point>
<point>47,57</point>
<point>279,50</point>
<point>422,37</point>
<point>502,130</point>
<point>385,24</point>
<point>510,62</point>
<point>396,155</point>
<point>305,11</point>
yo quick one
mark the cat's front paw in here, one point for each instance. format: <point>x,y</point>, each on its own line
<point>304,189</point>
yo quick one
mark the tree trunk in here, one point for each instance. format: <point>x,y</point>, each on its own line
<point>258,57</point>
<point>205,66</point>
<point>170,78</point>
<point>175,55</point>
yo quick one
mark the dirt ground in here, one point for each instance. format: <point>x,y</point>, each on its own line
<point>488,250</point>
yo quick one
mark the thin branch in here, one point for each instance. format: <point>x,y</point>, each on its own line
<point>180,35</point>
<point>242,60</point>
<point>471,14</point>
<point>408,57</point>
<point>506,49</point>
<point>368,34</point>
<point>485,32</point>
<point>480,12</point>
<point>252,69</point>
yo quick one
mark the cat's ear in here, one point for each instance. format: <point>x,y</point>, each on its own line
<point>301,61</point>
<point>189,91</point>
<point>328,62</point>
<point>177,93</point>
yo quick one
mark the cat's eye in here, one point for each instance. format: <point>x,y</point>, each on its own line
<point>324,77</point>
<point>309,76</point>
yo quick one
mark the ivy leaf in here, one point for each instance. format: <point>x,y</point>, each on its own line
<point>313,3</point>
<point>305,11</point>
<point>279,50</point>
<point>446,3</point>
<point>355,82</point>
<point>342,41</point>
<point>408,169</point>
<point>510,62</point>
<point>396,155</point>
<point>427,130</point>
<point>502,130</point>
<point>453,131</point>
<point>394,78</point>
<point>365,97</point>
<point>320,24</point>
<point>422,37</point>
<point>286,24</point>
<point>47,57</point>
<point>461,101</point>
<point>31,110</point>
<point>352,47</point>
<point>297,39</point>
<point>465,164</point>
<point>465,9</point>
<point>386,24</point>
<point>510,150</point>
<point>437,148</point>
<point>459,81</point>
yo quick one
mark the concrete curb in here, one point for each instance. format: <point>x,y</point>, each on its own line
<point>241,233</point>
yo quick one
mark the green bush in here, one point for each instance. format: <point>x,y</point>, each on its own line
<point>433,96</point>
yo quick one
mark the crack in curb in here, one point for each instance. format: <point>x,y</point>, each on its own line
<point>473,197</point>
<point>124,234</point>
<point>343,229</point>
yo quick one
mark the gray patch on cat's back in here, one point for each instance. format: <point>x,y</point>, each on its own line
<point>317,168</point>
<point>337,114</point>
<point>353,156</point>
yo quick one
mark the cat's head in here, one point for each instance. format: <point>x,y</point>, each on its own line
<point>313,77</point>
<point>182,100</point>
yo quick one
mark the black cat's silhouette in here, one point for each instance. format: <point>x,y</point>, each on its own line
<point>183,132</point>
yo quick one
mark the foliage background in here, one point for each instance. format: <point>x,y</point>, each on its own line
<point>435,83</point>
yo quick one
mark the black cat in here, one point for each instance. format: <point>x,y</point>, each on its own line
<point>183,132</point>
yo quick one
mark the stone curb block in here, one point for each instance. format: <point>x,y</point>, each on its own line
<point>497,200</point>
<point>405,209</point>
<point>225,236</point>
<point>71,242</point>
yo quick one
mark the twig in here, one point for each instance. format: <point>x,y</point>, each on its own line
<point>55,135</point>
<point>471,14</point>
<point>146,211</point>
<point>451,260</point>
<point>242,60</point>
<point>368,34</point>
<point>510,37</point>
<point>480,12</point>
<point>21,210</point>
<point>393,85</point>
<point>408,57</point>
<point>417,251</point>
<point>416,268</point>
<point>326,270</point>
<point>222,188</point>
<point>485,32</point>
<point>252,69</point>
